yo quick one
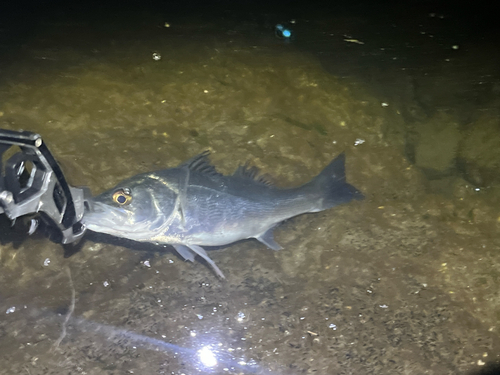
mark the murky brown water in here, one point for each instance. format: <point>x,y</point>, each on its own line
<point>404,282</point>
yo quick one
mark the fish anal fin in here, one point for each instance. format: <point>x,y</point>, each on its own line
<point>202,253</point>
<point>267,238</point>
<point>185,252</point>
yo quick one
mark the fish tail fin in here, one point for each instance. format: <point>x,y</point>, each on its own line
<point>331,185</point>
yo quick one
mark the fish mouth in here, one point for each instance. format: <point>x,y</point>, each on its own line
<point>119,222</point>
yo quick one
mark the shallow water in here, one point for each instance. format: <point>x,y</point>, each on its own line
<point>405,281</point>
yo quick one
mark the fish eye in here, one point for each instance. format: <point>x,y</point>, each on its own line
<point>122,196</point>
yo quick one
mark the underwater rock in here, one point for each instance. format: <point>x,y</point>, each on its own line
<point>437,144</point>
<point>479,151</point>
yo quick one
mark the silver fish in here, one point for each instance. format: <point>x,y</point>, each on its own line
<point>193,205</point>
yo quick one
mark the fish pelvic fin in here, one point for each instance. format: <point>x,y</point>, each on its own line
<point>267,238</point>
<point>331,186</point>
<point>184,252</point>
<point>188,252</point>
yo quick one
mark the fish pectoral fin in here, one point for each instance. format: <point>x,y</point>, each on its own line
<point>267,238</point>
<point>202,253</point>
<point>185,252</point>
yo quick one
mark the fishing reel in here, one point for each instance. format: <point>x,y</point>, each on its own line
<point>31,182</point>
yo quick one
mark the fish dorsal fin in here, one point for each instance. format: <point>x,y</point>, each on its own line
<point>252,173</point>
<point>201,164</point>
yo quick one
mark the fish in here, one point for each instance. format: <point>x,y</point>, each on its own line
<point>193,206</point>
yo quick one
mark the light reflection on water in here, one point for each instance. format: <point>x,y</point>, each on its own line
<point>206,353</point>
<point>207,356</point>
